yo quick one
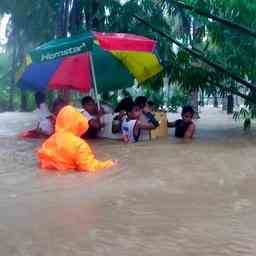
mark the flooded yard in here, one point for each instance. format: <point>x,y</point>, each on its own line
<point>166,197</point>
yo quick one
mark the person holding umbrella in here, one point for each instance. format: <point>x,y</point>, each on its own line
<point>94,117</point>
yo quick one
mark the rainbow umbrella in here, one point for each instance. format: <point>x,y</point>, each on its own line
<point>109,61</point>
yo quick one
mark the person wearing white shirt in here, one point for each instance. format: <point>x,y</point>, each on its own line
<point>132,126</point>
<point>42,110</point>
<point>46,124</point>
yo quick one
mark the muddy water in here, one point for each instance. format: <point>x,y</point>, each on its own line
<point>165,198</point>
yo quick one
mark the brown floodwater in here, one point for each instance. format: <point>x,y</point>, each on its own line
<point>166,197</point>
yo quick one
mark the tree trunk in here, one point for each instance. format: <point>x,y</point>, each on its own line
<point>224,103</point>
<point>13,73</point>
<point>75,17</point>
<point>92,22</point>
<point>168,94</point>
<point>230,105</point>
<point>24,102</point>
<point>215,101</point>
<point>62,30</point>
<point>202,98</point>
<point>62,19</point>
<point>166,90</point>
<point>237,101</point>
<point>194,103</point>
<point>20,56</point>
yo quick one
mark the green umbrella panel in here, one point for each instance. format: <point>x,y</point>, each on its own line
<point>110,73</point>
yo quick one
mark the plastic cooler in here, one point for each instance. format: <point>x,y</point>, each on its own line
<point>162,130</point>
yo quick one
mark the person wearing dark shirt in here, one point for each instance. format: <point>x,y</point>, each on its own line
<point>148,110</point>
<point>185,127</point>
<point>93,115</point>
<point>146,116</point>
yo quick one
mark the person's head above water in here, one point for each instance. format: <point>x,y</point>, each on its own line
<point>124,104</point>
<point>141,101</point>
<point>187,114</point>
<point>57,105</point>
<point>144,104</point>
<point>149,107</point>
<point>89,105</point>
<point>39,98</point>
<point>133,111</point>
<point>71,120</point>
<point>151,104</point>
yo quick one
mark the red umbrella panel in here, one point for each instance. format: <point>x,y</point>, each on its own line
<point>117,58</point>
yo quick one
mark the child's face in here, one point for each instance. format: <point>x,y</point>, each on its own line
<point>187,117</point>
<point>91,107</point>
<point>135,113</point>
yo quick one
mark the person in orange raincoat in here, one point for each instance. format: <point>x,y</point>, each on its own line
<point>65,150</point>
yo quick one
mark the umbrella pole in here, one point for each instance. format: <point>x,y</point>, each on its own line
<point>94,81</point>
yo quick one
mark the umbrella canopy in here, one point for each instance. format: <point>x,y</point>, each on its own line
<point>66,63</point>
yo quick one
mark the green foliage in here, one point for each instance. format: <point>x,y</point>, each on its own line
<point>155,83</point>
<point>247,113</point>
<point>179,99</point>
<point>4,80</point>
<point>244,115</point>
<point>36,22</point>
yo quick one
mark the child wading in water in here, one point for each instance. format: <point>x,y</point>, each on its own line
<point>146,116</point>
<point>185,127</point>
<point>131,125</point>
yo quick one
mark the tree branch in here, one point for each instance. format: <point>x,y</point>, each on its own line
<point>233,91</point>
<point>227,23</point>
<point>196,55</point>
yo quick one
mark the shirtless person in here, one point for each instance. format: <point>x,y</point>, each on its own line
<point>185,127</point>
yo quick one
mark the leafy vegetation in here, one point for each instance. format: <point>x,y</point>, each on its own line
<point>217,44</point>
<point>178,99</point>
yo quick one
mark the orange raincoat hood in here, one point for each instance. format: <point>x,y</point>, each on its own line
<point>65,150</point>
<point>71,120</point>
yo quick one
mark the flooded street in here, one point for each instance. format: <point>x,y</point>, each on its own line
<point>166,197</point>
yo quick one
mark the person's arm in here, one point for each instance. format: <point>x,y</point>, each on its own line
<point>147,126</point>
<point>152,119</point>
<point>190,131</point>
<point>125,135</point>
<point>125,138</point>
<point>95,123</point>
<point>99,116</point>
<point>45,127</point>
<point>116,126</point>
<point>117,123</point>
<point>86,160</point>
